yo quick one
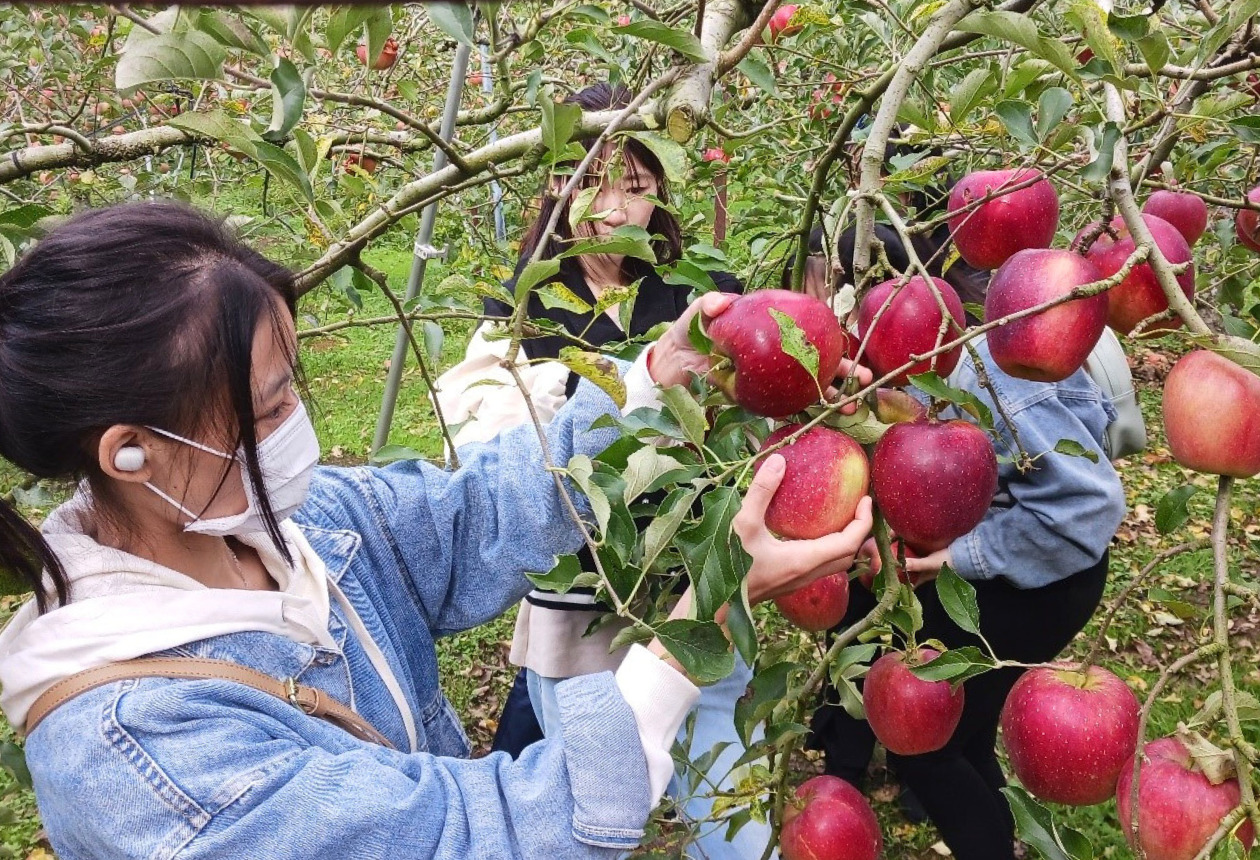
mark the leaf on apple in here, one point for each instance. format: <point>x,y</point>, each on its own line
<point>958,598</point>
<point>1036,826</point>
<point>1173,509</point>
<point>957,665</point>
<point>794,342</point>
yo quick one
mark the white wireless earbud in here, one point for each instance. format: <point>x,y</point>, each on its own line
<point>129,459</point>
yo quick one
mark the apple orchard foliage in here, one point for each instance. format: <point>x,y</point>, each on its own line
<point>798,116</point>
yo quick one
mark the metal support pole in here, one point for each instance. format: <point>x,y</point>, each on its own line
<point>496,190</point>
<point>422,251</point>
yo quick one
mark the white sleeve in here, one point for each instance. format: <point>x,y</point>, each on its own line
<point>660,697</point>
<point>641,390</point>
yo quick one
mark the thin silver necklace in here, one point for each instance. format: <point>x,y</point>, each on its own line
<point>236,566</point>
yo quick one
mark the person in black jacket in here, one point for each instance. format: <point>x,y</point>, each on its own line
<point>551,642</point>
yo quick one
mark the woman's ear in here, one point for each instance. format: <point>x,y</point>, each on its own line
<point>122,454</point>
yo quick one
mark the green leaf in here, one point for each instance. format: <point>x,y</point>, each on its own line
<point>740,625</point>
<point>1173,509</point>
<point>453,19</point>
<point>1247,128</point>
<point>190,55</point>
<point>1239,11</point>
<point>597,369</point>
<point>13,759</point>
<point>673,158</point>
<point>794,342</point>
<point>958,598</point>
<point>1052,107</point>
<point>644,467</point>
<point>712,553</point>
<point>687,412</point>
<point>308,150</point>
<point>765,691</point>
<point>1100,168</point>
<point>696,335</point>
<point>391,453</point>
<point>558,122</point>
<point>580,206</point>
<point>1020,29</point>
<point>957,665</point>
<point>627,245</point>
<point>1130,28</point>
<point>1072,448</point>
<point>700,646</point>
<point>931,384</point>
<point>673,510</point>
<point>1088,17</point>
<point>970,92</point>
<point>230,30</point>
<point>379,25</point>
<point>557,295</point>
<point>682,41</point>
<point>580,471</point>
<point>433,338</point>
<point>1017,117</point>
<point>343,21</point>
<point>759,72</point>
<point>533,274</point>
<point>1035,825</point>
<point>284,167</point>
<point>288,95</point>
<point>560,578</point>
<point>1155,50</point>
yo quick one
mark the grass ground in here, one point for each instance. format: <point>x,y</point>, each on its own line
<point>346,376</point>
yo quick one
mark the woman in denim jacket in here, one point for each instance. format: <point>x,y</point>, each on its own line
<point>146,351</point>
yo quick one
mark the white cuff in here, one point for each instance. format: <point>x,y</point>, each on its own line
<point>660,698</point>
<point>641,390</point>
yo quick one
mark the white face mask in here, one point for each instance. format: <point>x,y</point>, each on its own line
<point>286,458</point>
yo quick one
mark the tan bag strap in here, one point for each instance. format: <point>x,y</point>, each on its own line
<point>308,699</point>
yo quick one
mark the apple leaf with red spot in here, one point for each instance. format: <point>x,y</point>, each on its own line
<point>795,343</point>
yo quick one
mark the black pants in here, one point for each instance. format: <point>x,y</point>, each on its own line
<point>518,725</point>
<point>959,785</point>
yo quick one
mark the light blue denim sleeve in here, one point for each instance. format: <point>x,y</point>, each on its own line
<point>1060,517</point>
<point>467,537</point>
<point>172,770</point>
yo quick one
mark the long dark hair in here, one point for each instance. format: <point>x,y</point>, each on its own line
<point>140,313</point>
<point>605,96</point>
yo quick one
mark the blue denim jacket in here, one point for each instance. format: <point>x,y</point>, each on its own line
<point>1058,519</point>
<point>209,769</point>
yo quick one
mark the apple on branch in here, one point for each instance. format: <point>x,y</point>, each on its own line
<point>828,819</point>
<point>1247,222</point>
<point>1211,412</point>
<point>910,716</point>
<point>1186,212</point>
<point>988,233</point>
<point>1068,733</point>
<point>910,325</point>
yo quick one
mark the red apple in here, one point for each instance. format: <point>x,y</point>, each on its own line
<point>1247,222</point>
<point>353,159</point>
<point>1178,806</point>
<point>910,716</point>
<point>909,326</point>
<point>474,80</point>
<point>818,606</point>
<point>1187,212</point>
<point>781,25</point>
<point>715,153</point>
<point>1212,415</point>
<point>623,21</point>
<point>387,57</point>
<point>1139,295</point>
<point>933,481</point>
<point>989,233</point>
<point>1053,344</point>
<point>762,377</point>
<point>894,406</point>
<point>829,819</point>
<point>826,476</point>
<point>1068,734</point>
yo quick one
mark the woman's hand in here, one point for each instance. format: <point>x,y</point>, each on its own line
<point>783,566</point>
<point>926,568</point>
<point>673,359</point>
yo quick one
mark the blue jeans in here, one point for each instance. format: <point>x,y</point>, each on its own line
<point>714,724</point>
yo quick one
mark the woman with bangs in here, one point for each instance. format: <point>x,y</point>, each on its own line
<point>557,635</point>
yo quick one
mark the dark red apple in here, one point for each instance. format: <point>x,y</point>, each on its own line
<point>1053,344</point>
<point>1247,222</point>
<point>933,481</point>
<point>715,153</point>
<point>893,406</point>
<point>781,25</point>
<point>909,326</point>
<point>762,377</point>
<point>1068,734</point>
<point>829,819</point>
<point>818,606</point>
<point>827,475</point>
<point>1212,415</point>
<point>1187,212</point>
<point>387,57</point>
<point>989,233</point>
<point>910,716</point>
<point>1139,295</point>
<point>1178,806</point>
